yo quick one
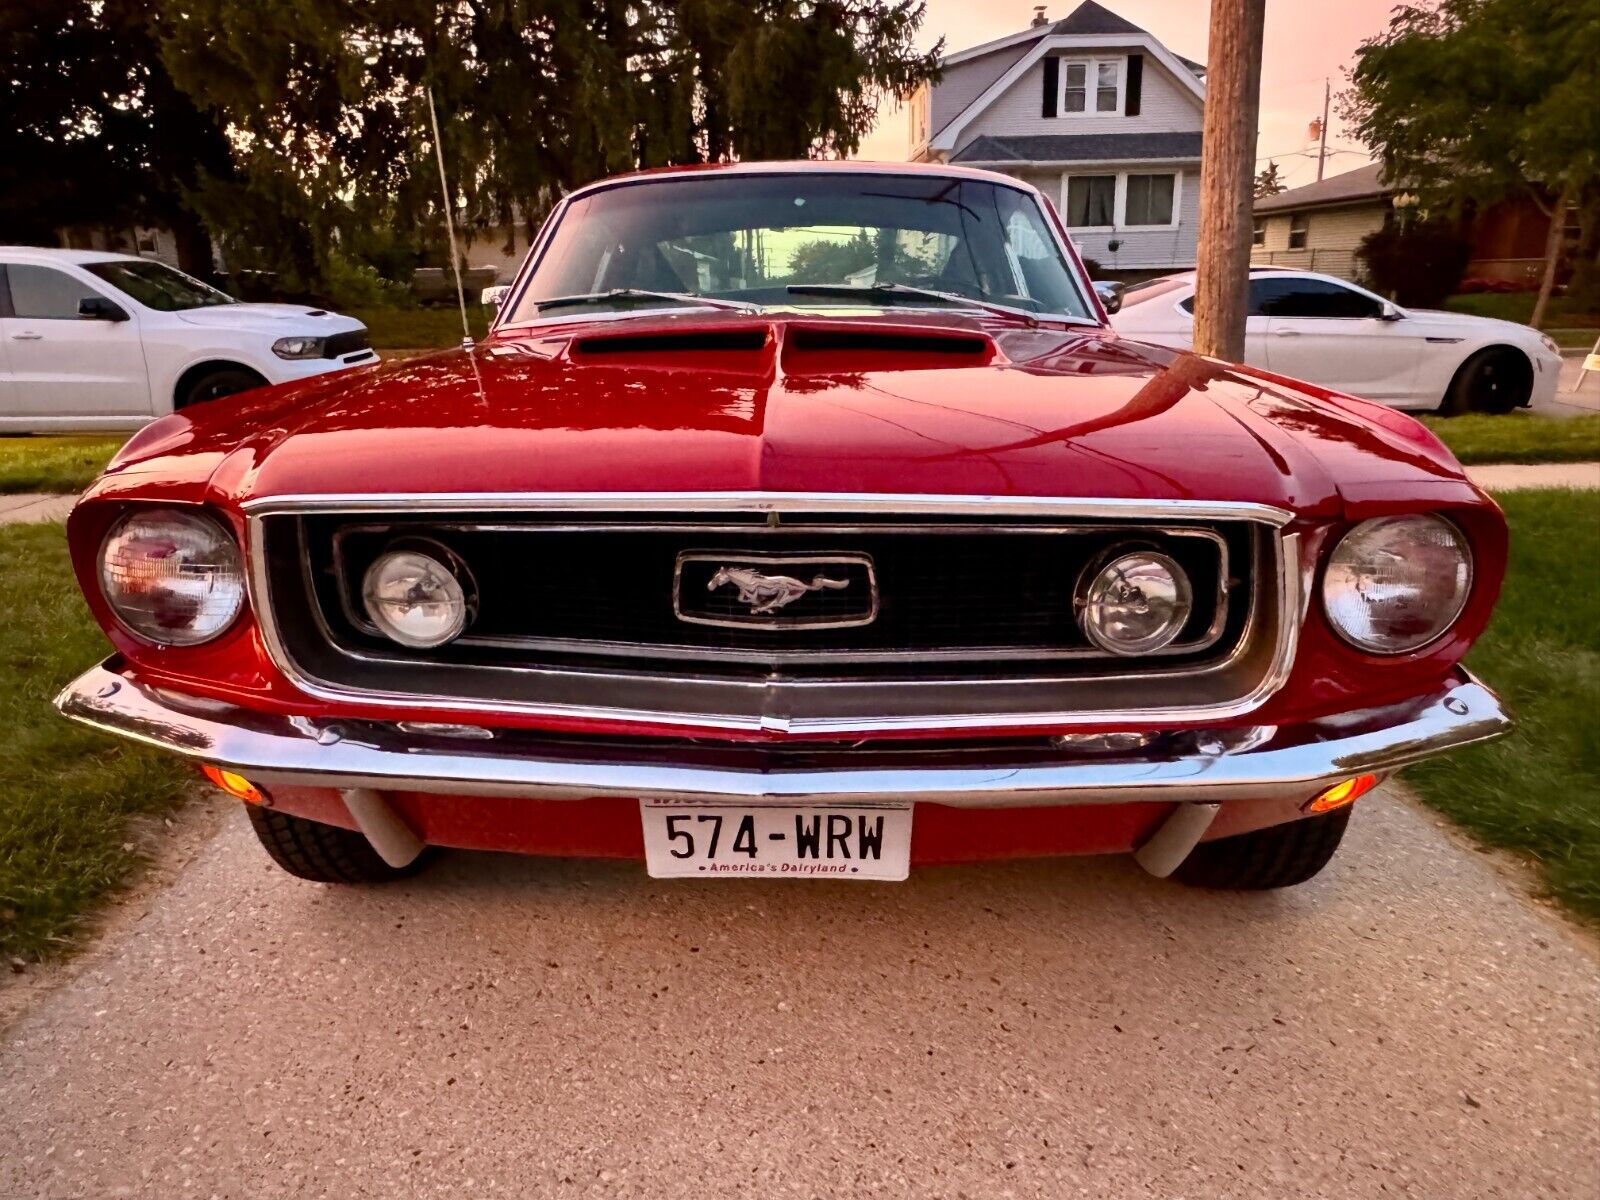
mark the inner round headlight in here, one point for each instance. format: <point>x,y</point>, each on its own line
<point>417,596</point>
<point>171,576</point>
<point>1394,584</point>
<point>1136,604</point>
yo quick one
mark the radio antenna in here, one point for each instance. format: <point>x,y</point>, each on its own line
<point>449,223</point>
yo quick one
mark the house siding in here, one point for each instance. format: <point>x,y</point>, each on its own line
<point>964,82</point>
<point>1164,105</point>
<point>1331,239</point>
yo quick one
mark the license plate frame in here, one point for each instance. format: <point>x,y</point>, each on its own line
<point>868,842</point>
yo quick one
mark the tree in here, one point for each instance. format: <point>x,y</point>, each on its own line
<point>1472,101</point>
<point>535,97</point>
<point>1233,102</point>
<point>95,131</point>
<point>1268,181</point>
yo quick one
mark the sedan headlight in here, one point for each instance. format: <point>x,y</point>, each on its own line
<point>1137,603</point>
<point>1395,584</point>
<point>1550,344</point>
<point>300,347</point>
<point>172,577</point>
<point>420,596</point>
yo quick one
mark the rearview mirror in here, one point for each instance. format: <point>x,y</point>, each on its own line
<point>98,308</point>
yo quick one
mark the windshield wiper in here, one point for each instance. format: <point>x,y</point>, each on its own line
<point>644,294</point>
<point>905,289</point>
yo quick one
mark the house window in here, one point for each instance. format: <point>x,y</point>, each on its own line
<point>1091,201</point>
<point>1149,200</point>
<point>1091,86</point>
<point>1258,233</point>
<point>1299,226</point>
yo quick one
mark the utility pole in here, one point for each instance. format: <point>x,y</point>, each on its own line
<point>1322,147</point>
<point>1227,171</point>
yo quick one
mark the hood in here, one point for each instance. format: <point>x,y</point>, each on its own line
<point>279,320</point>
<point>728,402</point>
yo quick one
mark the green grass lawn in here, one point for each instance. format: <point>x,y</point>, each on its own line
<point>418,328</point>
<point>66,793</point>
<point>1519,437</point>
<point>1538,790</point>
<point>53,464</point>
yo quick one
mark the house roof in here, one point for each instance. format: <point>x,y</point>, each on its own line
<point>1087,20</point>
<point>1364,183</point>
<point>1080,147</point>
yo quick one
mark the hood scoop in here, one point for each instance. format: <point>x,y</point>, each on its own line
<point>657,345</point>
<point>840,347</point>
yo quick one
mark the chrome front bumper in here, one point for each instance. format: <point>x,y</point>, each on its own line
<point>1207,766</point>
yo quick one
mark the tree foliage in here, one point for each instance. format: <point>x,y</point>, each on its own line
<point>95,131</point>
<point>1269,181</point>
<point>1417,263</point>
<point>325,100</point>
<point>1475,100</point>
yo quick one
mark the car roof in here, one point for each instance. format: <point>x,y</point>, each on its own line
<point>55,254</point>
<point>1260,272</point>
<point>811,166</point>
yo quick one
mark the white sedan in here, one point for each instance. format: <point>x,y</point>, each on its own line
<point>91,340</point>
<point>1330,332</point>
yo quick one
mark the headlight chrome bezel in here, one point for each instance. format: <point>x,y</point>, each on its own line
<point>1086,601</point>
<point>453,570</point>
<point>1449,614</point>
<point>235,593</point>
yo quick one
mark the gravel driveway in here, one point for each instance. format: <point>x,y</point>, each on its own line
<point>1408,1024</point>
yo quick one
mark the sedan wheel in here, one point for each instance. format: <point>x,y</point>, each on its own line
<point>1496,380</point>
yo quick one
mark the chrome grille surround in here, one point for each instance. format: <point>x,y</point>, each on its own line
<point>1255,669</point>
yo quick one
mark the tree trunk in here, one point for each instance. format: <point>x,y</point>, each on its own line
<point>1552,254</point>
<point>1227,170</point>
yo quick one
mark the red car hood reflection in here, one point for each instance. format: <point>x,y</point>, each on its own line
<point>729,402</point>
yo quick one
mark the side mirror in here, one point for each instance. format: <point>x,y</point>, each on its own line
<point>98,308</point>
<point>1389,312</point>
<point>495,296</point>
<point>1110,295</point>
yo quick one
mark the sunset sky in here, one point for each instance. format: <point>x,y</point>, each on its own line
<point>1305,41</point>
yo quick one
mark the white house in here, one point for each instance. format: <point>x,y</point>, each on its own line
<point>1097,114</point>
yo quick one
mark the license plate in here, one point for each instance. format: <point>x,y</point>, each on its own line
<point>778,841</point>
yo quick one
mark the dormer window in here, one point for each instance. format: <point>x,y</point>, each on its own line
<point>1091,86</point>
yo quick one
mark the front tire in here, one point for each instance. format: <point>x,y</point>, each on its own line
<point>215,384</point>
<point>1495,381</point>
<point>1275,857</point>
<point>322,853</point>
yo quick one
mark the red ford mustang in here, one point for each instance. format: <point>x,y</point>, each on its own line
<point>793,521</point>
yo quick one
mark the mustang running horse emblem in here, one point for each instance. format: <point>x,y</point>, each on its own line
<point>768,593</point>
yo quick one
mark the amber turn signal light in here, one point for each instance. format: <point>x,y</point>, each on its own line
<point>1340,794</point>
<point>235,784</point>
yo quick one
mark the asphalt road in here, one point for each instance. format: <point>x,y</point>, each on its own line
<point>1408,1024</point>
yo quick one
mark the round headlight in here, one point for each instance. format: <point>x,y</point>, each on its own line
<point>1136,604</point>
<point>172,577</point>
<point>417,597</point>
<point>1394,584</point>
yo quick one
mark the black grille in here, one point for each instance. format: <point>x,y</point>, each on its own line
<point>340,344</point>
<point>604,591</point>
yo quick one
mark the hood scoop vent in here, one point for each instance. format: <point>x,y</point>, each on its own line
<point>830,348</point>
<point>689,341</point>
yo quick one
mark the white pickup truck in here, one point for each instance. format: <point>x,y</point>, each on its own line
<point>93,340</point>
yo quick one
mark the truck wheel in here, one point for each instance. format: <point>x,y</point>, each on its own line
<point>1275,857</point>
<point>322,853</point>
<point>213,385</point>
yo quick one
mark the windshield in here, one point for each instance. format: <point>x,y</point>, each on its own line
<point>156,285</point>
<point>856,238</point>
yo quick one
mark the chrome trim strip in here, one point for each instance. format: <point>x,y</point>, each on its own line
<point>1273,762</point>
<point>762,717</point>
<point>663,650</point>
<point>775,502</point>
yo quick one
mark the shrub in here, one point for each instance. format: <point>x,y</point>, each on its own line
<point>1418,264</point>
